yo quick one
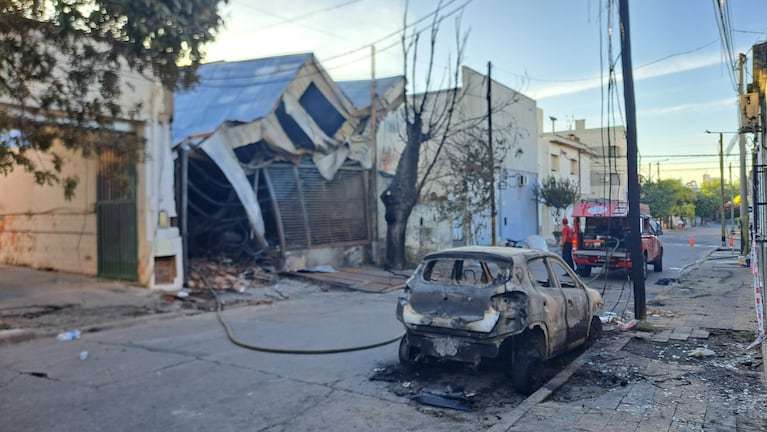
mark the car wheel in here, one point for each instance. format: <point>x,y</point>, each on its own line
<point>658,264</point>
<point>407,354</point>
<point>595,331</point>
<point>525,373</point>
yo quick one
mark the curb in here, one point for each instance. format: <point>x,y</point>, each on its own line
<point>13,336</point>
<point>543,393</point>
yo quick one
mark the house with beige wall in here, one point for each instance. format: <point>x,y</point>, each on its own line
<point>567,156</point>
<point>609,171</point>
<point>120,223</point>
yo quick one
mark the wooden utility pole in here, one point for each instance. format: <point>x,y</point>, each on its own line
<point>721,188</point>
<point>732,203</point>
<point>635,236</point>
<point>490,148</point>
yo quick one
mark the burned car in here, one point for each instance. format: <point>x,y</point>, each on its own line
<point>520,306</point>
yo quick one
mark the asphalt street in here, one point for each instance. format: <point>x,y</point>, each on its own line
<point>184,374</point>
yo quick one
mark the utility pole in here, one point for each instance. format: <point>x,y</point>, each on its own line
<point>721,186</point>
<point>745,246</point>
<point>732,204</point>
<point>635,236</point>
<point>657,167</point>
<point>490,148</point>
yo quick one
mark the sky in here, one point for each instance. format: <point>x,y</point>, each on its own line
<point>557,52</point>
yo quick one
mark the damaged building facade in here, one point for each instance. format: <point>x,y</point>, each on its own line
<point>273,163</point>
<point>276,162</point>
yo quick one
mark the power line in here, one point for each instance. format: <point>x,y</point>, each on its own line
<point>275,75</point>
<point>293,20</point>
<point>724,25</point>
<point>279,17</point>
<point>681,155</point>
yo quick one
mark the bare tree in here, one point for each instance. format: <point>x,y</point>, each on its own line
<point>429,118</point>
<point>474,170</point>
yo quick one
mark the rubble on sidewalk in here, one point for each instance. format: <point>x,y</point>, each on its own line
<point>236,282</point>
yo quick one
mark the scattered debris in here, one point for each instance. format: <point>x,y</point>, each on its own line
<point>68,336</point>
<point>660,313</point>
<point>83,355</point>
<point>665,281</point>
<point>701,352</point>
<point>624,326</point>
<point>226,274</point>
<point>320,269</point>
<point>452,401</point>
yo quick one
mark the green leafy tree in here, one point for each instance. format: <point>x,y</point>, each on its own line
<point>667,198</point>
<point>557,193</point>
<point>60,67</point>
<point>706,205</point>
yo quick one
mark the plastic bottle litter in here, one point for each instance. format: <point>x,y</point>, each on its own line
<point>83,355</point>
<point>70,335</point>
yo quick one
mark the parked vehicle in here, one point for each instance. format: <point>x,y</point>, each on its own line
<point>603,237</point>
<point>520,305</point>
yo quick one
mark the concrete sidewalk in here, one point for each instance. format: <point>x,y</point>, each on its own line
<point>657,385</point>
<point>37,303</point>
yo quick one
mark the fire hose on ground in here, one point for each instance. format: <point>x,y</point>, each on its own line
<point>233,338</point>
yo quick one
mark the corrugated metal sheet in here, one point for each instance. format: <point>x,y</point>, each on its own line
<point>233,91</point>
<point>359,91</point>
<point>317,212</point>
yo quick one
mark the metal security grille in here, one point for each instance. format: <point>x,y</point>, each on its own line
<point>116,217</point>
<point>317,212</point>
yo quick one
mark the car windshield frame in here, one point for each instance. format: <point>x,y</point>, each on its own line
<point>468,271</point>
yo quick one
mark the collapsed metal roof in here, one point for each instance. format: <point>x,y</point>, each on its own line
<point>240,91</point>
<point>251,121</point>
<point>359,91</point>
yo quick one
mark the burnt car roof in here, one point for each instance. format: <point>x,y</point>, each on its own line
<point>498,252</point>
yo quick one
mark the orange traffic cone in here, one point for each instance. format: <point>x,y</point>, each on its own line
<point>692,241</point>
<point>732,239</point>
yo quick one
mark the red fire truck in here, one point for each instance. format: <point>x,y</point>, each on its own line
<point>603,228</point>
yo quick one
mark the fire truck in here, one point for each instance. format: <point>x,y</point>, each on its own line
<point>602,239</point>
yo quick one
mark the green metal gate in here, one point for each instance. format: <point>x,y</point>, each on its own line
<point>117,218</point>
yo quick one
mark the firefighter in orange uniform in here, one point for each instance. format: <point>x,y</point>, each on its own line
<point>567,243</point>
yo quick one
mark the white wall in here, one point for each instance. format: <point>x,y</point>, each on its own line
<point>515,119</point>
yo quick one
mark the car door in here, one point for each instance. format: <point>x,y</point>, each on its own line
<point>576,301</point>
<point>552,301</point>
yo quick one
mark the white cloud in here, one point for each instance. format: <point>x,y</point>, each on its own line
<point>664,68</point>
<point>728,103</point>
